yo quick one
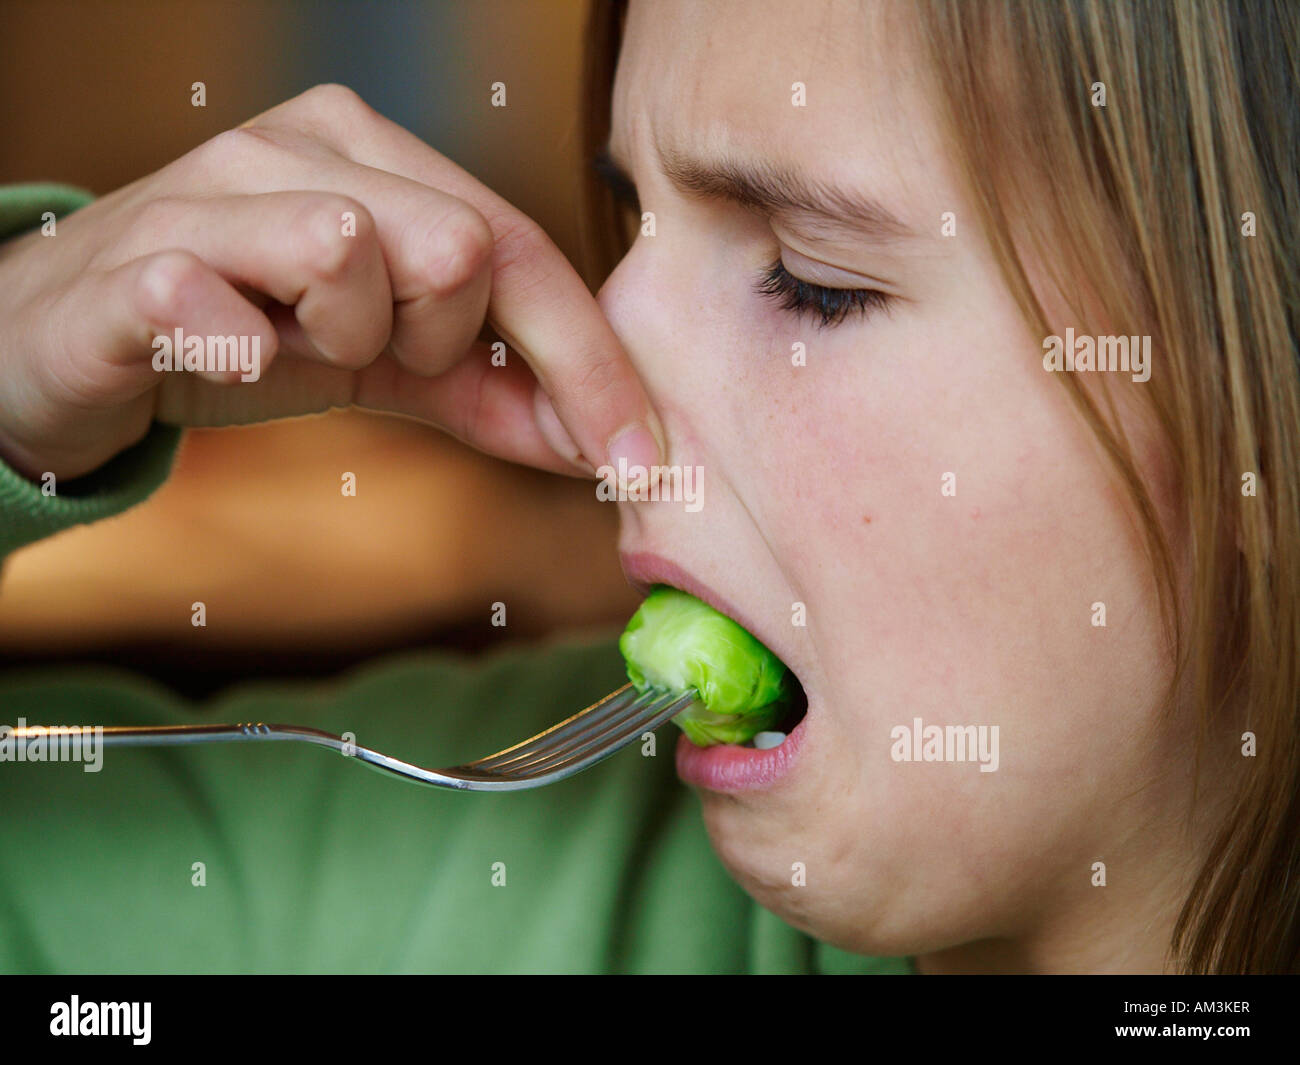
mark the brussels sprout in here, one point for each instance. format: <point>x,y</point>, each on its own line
<point>676,643</point>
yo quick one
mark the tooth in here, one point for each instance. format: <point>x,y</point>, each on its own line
<point>765,741</point>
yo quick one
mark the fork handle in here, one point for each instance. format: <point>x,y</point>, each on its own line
<point>175,735</point>
<point>243,732</point>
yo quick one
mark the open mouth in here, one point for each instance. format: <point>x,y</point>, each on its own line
<point>794,714</point>
<point>785,725</point>
<point>683,637</point>
<point>751,767</point>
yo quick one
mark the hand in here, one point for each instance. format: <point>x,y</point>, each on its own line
<point>361,262</point>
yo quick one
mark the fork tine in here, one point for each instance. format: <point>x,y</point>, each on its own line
<point>593,724</point>
<point>611,704</point>
<point>653,710</point>
<point>574,761</point>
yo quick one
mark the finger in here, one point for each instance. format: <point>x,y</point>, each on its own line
<point>315,253</point>
<point>538,302</point>
<point>120,328</point>
<point>437,249</point>
<point>489,407</point>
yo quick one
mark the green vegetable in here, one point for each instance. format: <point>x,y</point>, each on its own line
<point>676,643</point>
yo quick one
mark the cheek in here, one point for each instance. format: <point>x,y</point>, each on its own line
<point>968,608</point>
<point>950,523</point>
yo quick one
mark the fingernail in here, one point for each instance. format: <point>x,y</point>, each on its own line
<point>635,455</point>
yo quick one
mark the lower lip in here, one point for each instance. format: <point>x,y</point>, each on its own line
<point>729,768</point>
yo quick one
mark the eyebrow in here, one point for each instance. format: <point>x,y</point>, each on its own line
<point>762,186</point>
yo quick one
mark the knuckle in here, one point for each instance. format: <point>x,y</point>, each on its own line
<point>335,98</point>
<point>596,378</point>
<point>166,284</point>
<point>463,245</point>
<point>324,228</point>
<point>233,146</point>
<point>524,249</point>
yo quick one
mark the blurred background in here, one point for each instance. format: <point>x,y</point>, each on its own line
<point>297,579</point>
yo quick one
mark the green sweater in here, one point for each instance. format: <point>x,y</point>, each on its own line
<point>312,864</point>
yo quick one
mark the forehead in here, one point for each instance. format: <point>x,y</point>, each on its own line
<point>723,77</point>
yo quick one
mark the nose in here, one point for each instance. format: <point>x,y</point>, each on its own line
<point>641,302</point>
<point>618,298</point>
<point>651,300</point>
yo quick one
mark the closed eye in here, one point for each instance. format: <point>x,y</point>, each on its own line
<point>617,181</point>
<point>829,305</point>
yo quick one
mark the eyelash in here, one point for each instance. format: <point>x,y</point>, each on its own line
<point>830,305</point>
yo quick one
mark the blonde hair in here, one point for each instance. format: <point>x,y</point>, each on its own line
<point>1199,134</point>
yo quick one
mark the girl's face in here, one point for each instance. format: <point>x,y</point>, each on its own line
<point>915,479</point>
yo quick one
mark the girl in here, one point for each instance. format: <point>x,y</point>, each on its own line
<point>929,198</point>
<point>883,259</point>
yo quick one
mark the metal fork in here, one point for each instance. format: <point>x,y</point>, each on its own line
<point>575,744</point>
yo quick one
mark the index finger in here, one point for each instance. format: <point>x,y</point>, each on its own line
<point>538,302</point>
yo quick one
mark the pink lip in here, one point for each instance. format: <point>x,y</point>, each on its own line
<point>728,768</point>
<point>725,768</point>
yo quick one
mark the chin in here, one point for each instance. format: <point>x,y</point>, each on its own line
<point>759,840</point>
